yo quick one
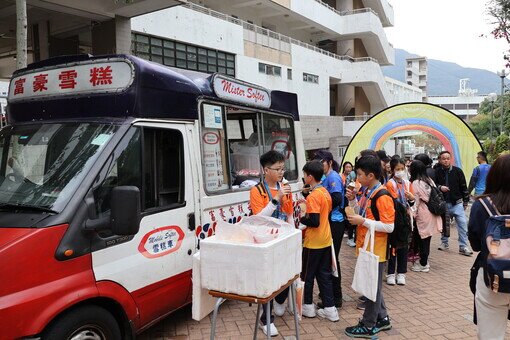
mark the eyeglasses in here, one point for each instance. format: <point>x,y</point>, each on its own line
<point>278,169</point>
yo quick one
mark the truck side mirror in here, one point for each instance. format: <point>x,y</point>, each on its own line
<point>125,210</point>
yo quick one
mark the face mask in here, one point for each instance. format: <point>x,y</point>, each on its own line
<point>400,174</point>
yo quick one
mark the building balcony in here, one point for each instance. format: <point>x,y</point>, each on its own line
<point>315,19</point>
<point>383,9</point>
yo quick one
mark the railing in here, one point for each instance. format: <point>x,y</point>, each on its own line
<point>271,34</point>
<point>355,11</point>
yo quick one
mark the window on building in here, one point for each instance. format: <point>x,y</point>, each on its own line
<point>289,74</point>
<point>310,78</point>
<point>409,73</point>
<point>270,69</point>
<point>460,106</point>
<point>177,54</point>
<point>447,106</point>
<point>234,139</point>
<point>473,106</point>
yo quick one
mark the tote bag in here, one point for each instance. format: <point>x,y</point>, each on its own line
<point>367,269</point>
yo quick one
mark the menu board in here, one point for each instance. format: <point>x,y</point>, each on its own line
<point>213,159</point>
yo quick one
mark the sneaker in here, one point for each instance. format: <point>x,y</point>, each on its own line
<point>465,251</point>
<point>361,331</point>
<point>351,243</point>
<point>309,310</point>
<point>383,324</point>
<point>401,279</point>
<point>338,304</point>
<point>330,313</point>
<point>390,279</point>
<point>279,309</point>
<point>272,329</point>
<point>444,246</point>
<point>417,267</point>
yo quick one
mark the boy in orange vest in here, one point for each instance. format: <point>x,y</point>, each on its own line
<point>272,198</point>
<point>369,170</point>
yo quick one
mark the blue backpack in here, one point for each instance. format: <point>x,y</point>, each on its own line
<point>497,244</point>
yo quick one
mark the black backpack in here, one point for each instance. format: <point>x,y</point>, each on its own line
<point>399,237</point>
<point>436,203</point>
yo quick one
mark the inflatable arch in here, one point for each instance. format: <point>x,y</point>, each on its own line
<point>448,128</point>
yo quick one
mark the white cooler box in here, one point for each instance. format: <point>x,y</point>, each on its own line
<point>250,269</point>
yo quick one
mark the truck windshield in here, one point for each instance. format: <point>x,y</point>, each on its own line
<point>42,165</point>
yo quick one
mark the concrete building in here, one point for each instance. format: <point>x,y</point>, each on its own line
<point>465,104</point>
<point>328,52</point>
<point>416,74</point>
<point>59,27</point>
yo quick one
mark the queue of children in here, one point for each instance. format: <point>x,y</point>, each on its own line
<point>361,198</point>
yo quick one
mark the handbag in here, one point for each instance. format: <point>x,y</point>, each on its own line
<point>366,272</point>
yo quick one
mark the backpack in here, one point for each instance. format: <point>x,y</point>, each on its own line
<point>497,243</point>
<point>399,237</point>
<point>436,203</point>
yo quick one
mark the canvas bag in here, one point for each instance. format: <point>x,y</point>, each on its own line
<point>366,272</point>
<point>497,241</point>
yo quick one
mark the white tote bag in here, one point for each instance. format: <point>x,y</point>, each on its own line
<point>367,269</point>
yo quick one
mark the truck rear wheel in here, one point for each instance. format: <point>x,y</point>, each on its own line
<point>84,323</point>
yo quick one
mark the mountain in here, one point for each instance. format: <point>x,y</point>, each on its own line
<point>443,77</point>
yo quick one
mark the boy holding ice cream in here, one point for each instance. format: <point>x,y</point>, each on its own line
<point>273,197</point>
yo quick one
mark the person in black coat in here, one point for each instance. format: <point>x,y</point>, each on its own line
<point>452,183</point>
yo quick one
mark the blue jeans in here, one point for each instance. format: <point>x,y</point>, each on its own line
<point>457,211</point>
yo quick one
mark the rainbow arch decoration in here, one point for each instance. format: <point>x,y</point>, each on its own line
<point>448,128</point>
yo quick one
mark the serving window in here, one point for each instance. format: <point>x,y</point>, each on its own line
<point>233,139</point>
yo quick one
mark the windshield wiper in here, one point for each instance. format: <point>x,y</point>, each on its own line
<point>26,207</point>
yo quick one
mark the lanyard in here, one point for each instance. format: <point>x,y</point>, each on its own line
<point>367,196</point>
<point>276,213</point>
<point>401,192</point>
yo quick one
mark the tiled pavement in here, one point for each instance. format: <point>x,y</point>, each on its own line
<point>434,305</point>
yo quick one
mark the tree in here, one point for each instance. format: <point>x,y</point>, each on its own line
<point>481,123</point>
<point>499,10</point>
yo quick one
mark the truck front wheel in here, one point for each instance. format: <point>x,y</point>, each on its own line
<point>84,323</point>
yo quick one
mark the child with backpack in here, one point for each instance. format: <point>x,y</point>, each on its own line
<point>375,317</point>
<point>427,223</point>
<point>489,233</point>
<point>272,198</point>
<point>400,188</point>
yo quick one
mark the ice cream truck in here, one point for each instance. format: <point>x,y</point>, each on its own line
<point>112,170</point>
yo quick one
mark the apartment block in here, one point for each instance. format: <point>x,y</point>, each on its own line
<point>328,52</point>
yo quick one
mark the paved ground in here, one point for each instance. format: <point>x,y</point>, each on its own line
<point>434,305</point>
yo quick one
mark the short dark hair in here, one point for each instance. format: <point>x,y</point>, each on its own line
<point>443,152</point>
<point>483,154</point>
<point>271,157</point>
<point>423,157</point>
<point>323,155</point>
<point>315,169</point>
<point>369,164</point>
<point>368,152</point>
<point>383,156</point>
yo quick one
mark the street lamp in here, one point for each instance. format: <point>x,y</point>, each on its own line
<point>502,74</point>
<point>491,97</point>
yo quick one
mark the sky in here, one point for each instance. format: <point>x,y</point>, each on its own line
<point>447,30</point>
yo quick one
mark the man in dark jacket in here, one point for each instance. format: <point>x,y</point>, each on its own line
<point>452,182</point>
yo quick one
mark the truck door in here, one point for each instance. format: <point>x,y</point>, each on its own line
<point>155,264</point>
